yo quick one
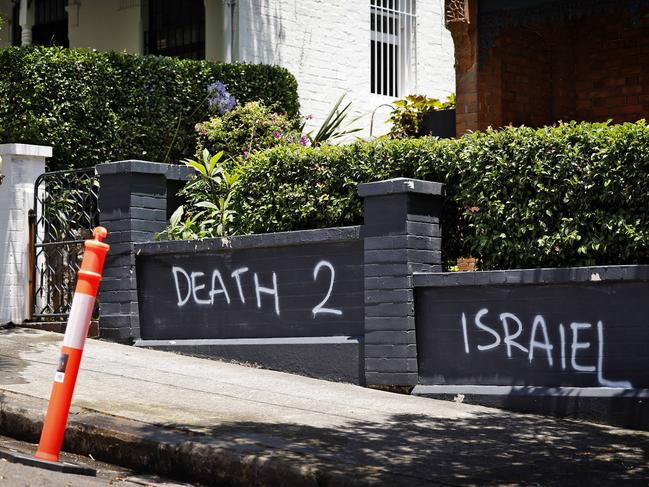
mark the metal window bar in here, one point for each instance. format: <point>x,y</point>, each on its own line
<point>64,214</point>
<point>176,28</point>
<point>392,38</point>
<point>16,29</point>
<point>50,23</point>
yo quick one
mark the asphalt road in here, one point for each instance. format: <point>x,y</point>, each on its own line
<point>17,475</point>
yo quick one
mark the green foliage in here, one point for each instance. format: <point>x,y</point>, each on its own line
<point>335,125</point>
<point>95,107</point>
<point>208,211</point>
<point>575,194</point>
<point>407,114</point>
<point>294,187</point>
<point>246,129</point>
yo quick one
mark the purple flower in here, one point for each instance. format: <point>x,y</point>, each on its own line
<point>220,99</point>
<point>245,152</point>
<point>278,135</point>
<point>304,140</point>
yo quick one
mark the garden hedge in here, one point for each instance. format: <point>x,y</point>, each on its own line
<point>94,107</point>
<point>574,194</point>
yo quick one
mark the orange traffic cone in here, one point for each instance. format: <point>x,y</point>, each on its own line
<point>76,332</point>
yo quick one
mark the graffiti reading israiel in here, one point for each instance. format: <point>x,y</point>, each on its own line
<point>200,289</point>
<point>536,345</point>
<point>569,334</point>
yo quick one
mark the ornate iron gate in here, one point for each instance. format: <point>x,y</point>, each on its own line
<point>64,214</point>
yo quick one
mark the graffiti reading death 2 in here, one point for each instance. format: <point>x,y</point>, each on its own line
<point>204,290</point>
<point>536,345</point>
<point>306,290</point>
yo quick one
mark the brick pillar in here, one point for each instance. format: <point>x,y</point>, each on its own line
<point>461,21</point>
<point>402,235</point>
<point>21,165</point>
<point>133,207</point>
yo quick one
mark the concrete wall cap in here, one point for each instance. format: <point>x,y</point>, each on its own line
<point>557,275</point>
<point>279,239</point>
<point>400,185</point>
<point>26,150</point>
<point>171,171</point>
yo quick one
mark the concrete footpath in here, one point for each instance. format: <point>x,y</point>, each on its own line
<point>219,423</point>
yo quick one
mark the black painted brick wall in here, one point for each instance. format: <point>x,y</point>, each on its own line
<point>402,236</point>
<point>133,207</point>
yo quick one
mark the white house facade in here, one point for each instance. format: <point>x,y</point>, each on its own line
<point>376,51</point>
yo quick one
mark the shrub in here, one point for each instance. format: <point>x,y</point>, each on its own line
<point>96,107</point>
<point>335,126</point>
<point>207,211</point>
<point>408,114</point>
<point>569,195</point>
<point>246,129</point>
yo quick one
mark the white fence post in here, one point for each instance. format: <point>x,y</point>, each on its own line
<point>21,166</point>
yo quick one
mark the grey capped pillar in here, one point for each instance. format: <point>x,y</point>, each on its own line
<point>402,235</point>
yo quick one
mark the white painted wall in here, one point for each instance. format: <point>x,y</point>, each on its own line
<point>106,25</point>
<point>326,45</point>
<point>5,31</point>
<point>21,165</point>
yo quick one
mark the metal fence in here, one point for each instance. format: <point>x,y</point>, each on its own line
<point>64,214</point>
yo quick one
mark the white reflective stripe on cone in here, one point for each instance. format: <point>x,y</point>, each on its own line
<point>79,321</point>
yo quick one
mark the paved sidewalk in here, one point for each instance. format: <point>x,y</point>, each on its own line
<point>216,422</point>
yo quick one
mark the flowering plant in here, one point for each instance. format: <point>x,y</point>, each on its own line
<point>219,99</point>
<point>246,129</point>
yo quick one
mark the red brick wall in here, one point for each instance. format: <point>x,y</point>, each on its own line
<point>612,69</point>
<point>593,69</point>
<point>517,82</point>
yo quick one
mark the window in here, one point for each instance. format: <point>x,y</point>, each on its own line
<point>392,43</point>
<point>16,31</point>
<point>50,23</point>
<point>176,28</point>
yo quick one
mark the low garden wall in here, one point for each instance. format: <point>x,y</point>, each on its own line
<point>539,340</point>
<point>333,303</point>
<point>369,304</point>
<point>290,301</point>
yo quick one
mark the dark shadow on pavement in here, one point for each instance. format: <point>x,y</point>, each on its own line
<point>482,449</point>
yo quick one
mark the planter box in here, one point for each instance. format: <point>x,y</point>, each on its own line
<point>439,124</point>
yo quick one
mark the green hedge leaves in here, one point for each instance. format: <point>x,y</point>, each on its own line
<point>575,194</point>
<point>94,107</point>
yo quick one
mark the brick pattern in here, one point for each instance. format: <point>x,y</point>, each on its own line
<point>133,207</point>
<point>327,49</point>
<point>588,67</point>
<point>402,236</point>
<point>14,232</point>
<point>22,164</point>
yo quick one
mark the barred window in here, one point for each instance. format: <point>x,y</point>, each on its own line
<point>176,28</point>
<point>16,30</point>
<point>50,23</point>
<point>392,46</point>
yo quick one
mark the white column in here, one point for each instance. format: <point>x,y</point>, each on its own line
<point>26,20</point>
<point>220,25</point>
<point>21,165</point>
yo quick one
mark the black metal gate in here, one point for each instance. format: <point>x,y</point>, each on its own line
<point>64,214</point>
